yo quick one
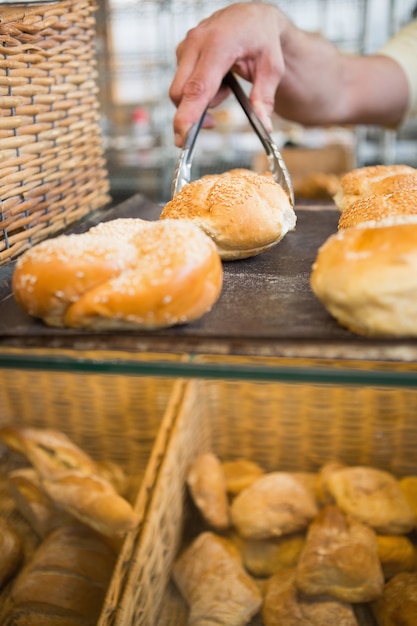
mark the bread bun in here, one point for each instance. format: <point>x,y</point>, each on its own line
<point>375,208</point>
<point>127,273</point>
<point>367,278</point>
<point>245,213</point>
<point>373,179</point>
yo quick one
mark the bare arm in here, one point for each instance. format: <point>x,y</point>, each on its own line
<point>300,75</point>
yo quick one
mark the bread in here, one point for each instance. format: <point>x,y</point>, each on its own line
<point>215,585</point>
<point>34,504</point>
<point>396,554</point>
<point>398,604</point>
<point>373,179</point>
<point>374,497</point>
<point>265,557</point>
<point>243,212</point>
<point>67,577</point>
<point>207,486</point>
<point>94,501</point>
<point>274,505</point>
<point>239,474</point>
<point>11,552</point>
<point>128,273</point>
<point>366,278</point>
<point>408,486</point>
<point>340,559</point>
<point>376,208</point>
<point>285,604</point>
<point>50,451</point>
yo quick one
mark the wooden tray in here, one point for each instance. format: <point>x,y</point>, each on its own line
<point>266,307</point>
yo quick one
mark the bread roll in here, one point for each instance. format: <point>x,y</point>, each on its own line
<point>240,474</point>
<point>276,504</point>
<point>340,559</point>
<point>375,208</point>
<point>265,557</point>
<point>396,554</point>
<point>215,585</point>
<point>367,278</point>
<point>128,273</point>
<point>243,212</point>
<point>408,486</point>
<point>373,179</point>
<point>398,604</point>
<point>374,497</point>
<point>286,605</point>
<point>207,485</point>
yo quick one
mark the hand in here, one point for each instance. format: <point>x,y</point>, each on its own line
<point>300,75</point>
<point>244,38</point>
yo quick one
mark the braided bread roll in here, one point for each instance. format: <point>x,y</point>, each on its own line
<point>123,274</point>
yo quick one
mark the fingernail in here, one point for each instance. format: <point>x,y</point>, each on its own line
<point>178,140</point>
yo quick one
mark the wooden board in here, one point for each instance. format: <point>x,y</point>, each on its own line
<point>266,307</point>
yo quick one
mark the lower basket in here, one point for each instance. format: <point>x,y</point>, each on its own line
<point>122,419</point>
<point>280,426</point>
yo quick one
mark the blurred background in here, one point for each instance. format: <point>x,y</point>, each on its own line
<point>136,63</point>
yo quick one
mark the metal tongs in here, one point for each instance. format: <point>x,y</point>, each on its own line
<point>182,175</point>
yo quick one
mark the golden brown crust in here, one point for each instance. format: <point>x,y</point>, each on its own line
<point>398,604</point>
<point>243,212</point>
<point>373,179</point>
<point>207,485</point>
<point>276,504</point>
<point>374,208</point>
<point>128,273</point>
<point>340,559</point>
<point>396,554</point>
<point>374,497</point>
<point>367,278</point>
<point>67,576</point>
<point>10,550</point>
<point>285,604</point>
<point>239,474</point>
<point>215,585</point>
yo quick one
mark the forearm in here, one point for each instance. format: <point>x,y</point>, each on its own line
<point>322,85</point>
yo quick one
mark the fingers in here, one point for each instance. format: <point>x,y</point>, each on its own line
<point>196,85</point>
<point>267,77</point>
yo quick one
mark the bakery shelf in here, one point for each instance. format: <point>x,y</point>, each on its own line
<point>267,325</point>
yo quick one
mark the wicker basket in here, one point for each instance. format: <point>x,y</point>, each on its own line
<point>52,169</point>
<point>281,426</point>
<point>114,418</point>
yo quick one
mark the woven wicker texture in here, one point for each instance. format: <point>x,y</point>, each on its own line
<point>281,426</point>
<point>114,418</point>
<point>52,169</point>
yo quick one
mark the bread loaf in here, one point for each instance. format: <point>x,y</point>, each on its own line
<point>66,579</point>
<point>244,213</point>
<point>128,273</point>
